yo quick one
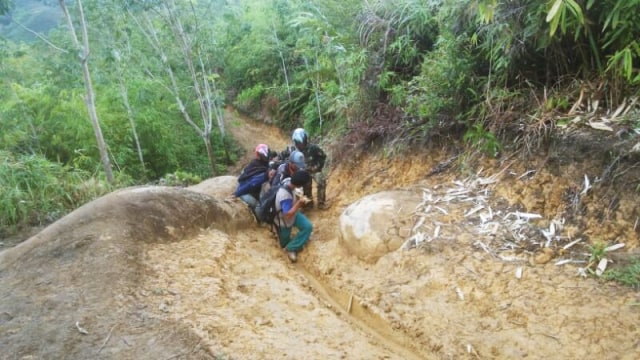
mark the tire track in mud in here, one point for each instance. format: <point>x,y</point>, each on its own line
<point>347,309</point>
<point>360,316</point>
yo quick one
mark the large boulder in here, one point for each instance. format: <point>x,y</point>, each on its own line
<point>220,187</point>
<point>65,289</point>
<point>379,223</point>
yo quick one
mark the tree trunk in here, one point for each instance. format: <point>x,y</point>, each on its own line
<point>89,97</point>
<point>207,104</point>
<point>284,65</point>
<point>211,155</point>
<point>125,100</point>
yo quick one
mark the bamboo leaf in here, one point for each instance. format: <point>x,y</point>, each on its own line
<point>627,64</point>
<point>554,11</point>
<point>554,25</point>
<point>576,10</point>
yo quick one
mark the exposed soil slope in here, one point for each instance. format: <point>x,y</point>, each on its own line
<point>160,273</point>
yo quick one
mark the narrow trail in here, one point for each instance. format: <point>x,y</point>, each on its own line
<point>261,252</point>
<point>240,294</point>
<point>451,300</point>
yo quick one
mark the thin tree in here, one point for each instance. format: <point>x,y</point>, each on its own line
<point>284,65</point>
<point>201,81</point>
<point>89,93</point>
<point>125,100</point>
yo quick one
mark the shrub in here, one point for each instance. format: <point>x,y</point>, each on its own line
<point>35,191</point>
<point>249,99</point>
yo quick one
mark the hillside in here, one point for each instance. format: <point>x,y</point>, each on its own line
<point>158,272</point>
<point>34,15</point>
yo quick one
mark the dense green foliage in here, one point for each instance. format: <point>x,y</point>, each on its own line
<point>397,71</point>
<point>41,190</point>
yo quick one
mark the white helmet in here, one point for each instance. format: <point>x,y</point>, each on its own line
<point>262,152</point>
<point>299,137</point>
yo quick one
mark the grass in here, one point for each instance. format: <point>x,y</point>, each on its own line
<point>35,191</point>
<point>598,251</point>
<point>628,275</point>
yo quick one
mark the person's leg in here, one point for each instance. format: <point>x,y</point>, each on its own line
<point>284,237</point>
<point>305,228</point>
<point>250,200</point>
<point>321,184</point>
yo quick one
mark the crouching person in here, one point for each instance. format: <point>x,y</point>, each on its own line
<point>253,176</point>
<point>290,216</point>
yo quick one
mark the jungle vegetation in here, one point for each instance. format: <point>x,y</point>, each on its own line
<point>100,94</point>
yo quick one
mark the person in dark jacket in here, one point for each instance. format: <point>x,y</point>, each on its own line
<point>253,176</point>
<point>315,159</point>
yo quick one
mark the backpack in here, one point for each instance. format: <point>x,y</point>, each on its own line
<point>266,211</point>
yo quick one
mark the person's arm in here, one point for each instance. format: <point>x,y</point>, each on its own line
<point>318,157</point>
<point>289,208</point>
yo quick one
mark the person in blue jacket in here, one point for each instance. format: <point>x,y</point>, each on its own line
<point>253,176</point>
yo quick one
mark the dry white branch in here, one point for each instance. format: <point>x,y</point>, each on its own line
<point>39,36</point>
<point>613,247</point>
<point>474,210</point>
<point>414,241</point>
<point>562,262</point>
<point>511,258</point>
<point>418,224</point>
<point>600,126</point>
<point>527,173</point>
<point>571,243</point>
<point>442,210</point>
<point>602,266</point>
<point>519,272</point>
<point>484,247</point>
<point>582,272</point>
<point>107,339</point>
<point>617,112</point>
<point>587,185</point>
<point>523,216</point>
<point>436,232</point>
<point>81,329</point>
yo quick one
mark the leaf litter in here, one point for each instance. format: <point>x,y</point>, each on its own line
<point>504,232</point>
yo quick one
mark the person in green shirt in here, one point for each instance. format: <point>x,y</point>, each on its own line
<point>315,159</point>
